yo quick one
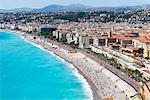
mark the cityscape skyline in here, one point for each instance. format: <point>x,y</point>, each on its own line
<point>96,50</point>
<point>7,4</point>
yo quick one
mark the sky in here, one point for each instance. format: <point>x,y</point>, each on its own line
<point>10,4</point>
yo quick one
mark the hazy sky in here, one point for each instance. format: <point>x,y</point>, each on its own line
<point>9,4</point>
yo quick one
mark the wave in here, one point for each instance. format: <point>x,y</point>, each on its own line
<point>85,84</point>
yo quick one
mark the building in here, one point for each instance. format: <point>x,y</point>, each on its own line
<point>86,39</point>
<point>144,43</point>
<point>46,29</point>
<point>104,40</point>
<point>70,37</point>
<point>122,39</point>
<point>145,91</point>
<point>2,25</point>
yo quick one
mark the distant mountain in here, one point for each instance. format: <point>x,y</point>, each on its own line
<point>3,10</point>
<point>121,8</point>
<point>17,10</point>
<point>143,6</point>
<point>59,8</point>
<point>50,8</point>
<point>77,8</point>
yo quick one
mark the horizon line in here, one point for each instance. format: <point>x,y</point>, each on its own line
<point>75,4</point>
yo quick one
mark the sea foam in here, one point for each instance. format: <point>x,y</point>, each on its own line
<point>86,86</point>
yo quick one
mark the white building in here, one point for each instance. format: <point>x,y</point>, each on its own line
<point>2,25</point>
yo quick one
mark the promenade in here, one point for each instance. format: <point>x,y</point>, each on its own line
<point>103,82</point>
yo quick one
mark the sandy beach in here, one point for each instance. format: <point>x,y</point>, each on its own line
<point>103,83</point>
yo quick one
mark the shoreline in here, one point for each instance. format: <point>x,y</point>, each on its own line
<point>95,81</point>
<point>78,73</point>
<point>91,87</point>
<point>87,84</point>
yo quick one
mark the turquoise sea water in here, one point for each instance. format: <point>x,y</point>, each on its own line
<point>29,73</point>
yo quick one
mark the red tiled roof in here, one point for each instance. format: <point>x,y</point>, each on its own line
<point>120,37</point>
<point>144,39</point>
<point>101,36</point>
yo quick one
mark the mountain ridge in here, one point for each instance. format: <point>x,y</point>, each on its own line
<point>76,8</point>
<point>17,9</point>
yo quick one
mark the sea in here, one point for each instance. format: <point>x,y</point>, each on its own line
<point>27,72</point>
